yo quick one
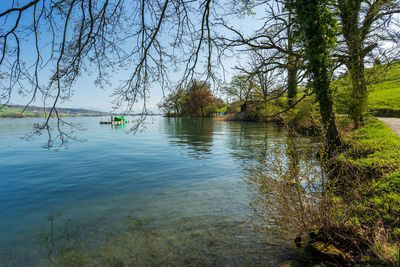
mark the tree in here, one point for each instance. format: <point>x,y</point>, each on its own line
<point>154,38</point>
<point>241,88</point>
<point>71,37</point>
<point>195,100</point>
<point>270,84</point>
<point>363,25</point>
<point>175,102</point>
<point>274,44</point>
<point>200,97</point>
<point>318,30</point>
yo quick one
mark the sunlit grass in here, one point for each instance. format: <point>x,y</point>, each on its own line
<point>385,91</point>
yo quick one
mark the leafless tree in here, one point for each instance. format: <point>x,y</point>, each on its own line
<point>273,43</point>
<point>71,37</point>
<point>272,82</point>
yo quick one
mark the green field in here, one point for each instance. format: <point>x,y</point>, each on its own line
<point>385,91</point>
<point>15,111</point>
<point>11,111</point>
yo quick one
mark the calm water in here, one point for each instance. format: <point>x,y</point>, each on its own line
<point>170,195</point>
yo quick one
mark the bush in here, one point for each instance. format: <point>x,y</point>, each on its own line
<point>350,203</point>
<point>305,117</point>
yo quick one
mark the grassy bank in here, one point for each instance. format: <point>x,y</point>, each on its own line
<point>373,150</point>
<point>347,214</point>
<point>366,182</point>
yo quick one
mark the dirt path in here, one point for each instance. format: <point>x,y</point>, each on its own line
<point>393,123</point>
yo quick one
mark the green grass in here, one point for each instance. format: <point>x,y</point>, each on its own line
<point>374,151</point>
<point>385,91</point>
<point>370,170</point>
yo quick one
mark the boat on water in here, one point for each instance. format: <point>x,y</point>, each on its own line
<point>116,120</point>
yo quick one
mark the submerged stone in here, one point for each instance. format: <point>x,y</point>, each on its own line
<point>320,251</point>
<point>291,263</point>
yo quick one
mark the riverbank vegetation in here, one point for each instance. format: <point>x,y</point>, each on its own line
<point>342,211</point>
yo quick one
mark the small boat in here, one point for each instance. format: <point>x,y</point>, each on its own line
<point>118,120</point>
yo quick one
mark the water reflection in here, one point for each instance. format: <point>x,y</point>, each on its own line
<point>247,139</point>
<point>292,154</point>
<point>285,184</point>
<point>194,133</point>
<point>201,135</point>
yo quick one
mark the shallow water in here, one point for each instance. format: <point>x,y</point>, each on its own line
<point>172,194</point>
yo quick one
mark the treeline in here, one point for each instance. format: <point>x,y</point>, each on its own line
<point>195,100</point>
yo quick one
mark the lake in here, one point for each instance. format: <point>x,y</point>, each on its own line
<point>171,194</point>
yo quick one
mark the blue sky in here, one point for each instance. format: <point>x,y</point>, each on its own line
<point>87,95</point>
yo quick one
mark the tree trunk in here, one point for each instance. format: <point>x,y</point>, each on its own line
<point>332,135</point>
<point>349,13</point>
<point>292,66</point>
<point>292,84</point>
<point>317,24</point>
<point>359,85</point>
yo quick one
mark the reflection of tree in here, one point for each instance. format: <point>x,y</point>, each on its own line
<point>292,155</point>
<point>285,184</point>
<point>247,140</point>
<point>195,133</point>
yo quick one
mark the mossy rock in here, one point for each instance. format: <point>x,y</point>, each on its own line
<point>320,251</point>
<point>291,263</point>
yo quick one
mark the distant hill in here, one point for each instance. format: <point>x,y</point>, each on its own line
<point>15,111</point>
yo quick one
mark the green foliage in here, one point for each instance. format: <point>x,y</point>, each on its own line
<point>175,102</point>
<point>305,117</point>
<point>241,88</point>
<point>195,100</point>
<point>384,91</point>
<point>317,29</point>
<point>345,98</point>
<point>222,109</point>
<point>210,110</point>
<point>379,211</point>
<point>369,185</point>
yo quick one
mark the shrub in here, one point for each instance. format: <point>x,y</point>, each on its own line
<point>351,202</point>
